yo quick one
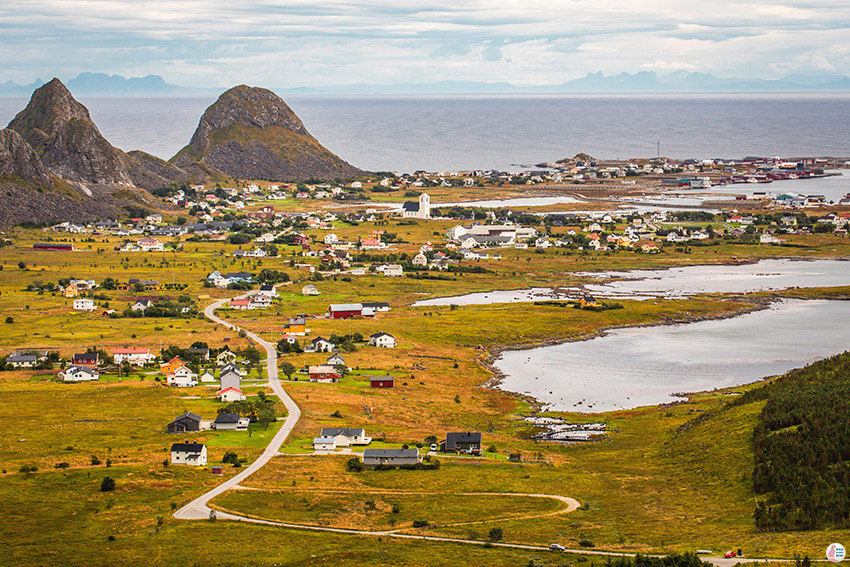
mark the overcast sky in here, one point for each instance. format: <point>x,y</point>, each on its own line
<point>290,43</point>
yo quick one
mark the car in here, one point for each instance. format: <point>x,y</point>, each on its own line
<point>729,554</point>
<point>434,446</point>
<point>556,547</point>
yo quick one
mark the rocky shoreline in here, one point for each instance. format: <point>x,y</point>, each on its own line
<point>487,358</point>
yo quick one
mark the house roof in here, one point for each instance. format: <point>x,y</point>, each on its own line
<point>323,369</point>
<point>380,378</point>
<point>345,306</point>
<point>83,369</point>
<point>187,447</point>
<point>380,334</point>
<point>390,453</point>
<point>230,389</point>
<point>463,437</point>
<point>21,358</point>
<point>188,415</point>
<point>131,350</point>
<point>410,206</point>
<point>347,432</point>
<point>323,440</point>
<point>228,417</point>
<point>320,339</point>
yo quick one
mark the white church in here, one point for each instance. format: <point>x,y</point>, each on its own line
<point>417,210</point>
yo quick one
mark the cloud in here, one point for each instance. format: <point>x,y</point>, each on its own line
<point>301,42</point>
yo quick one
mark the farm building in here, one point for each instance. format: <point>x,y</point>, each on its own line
<point>382,382</point>
<point>186,422</point>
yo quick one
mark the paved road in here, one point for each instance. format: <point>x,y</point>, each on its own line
<point>197,509</point>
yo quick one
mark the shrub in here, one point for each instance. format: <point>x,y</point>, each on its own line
<point>95,461</point>
<point>28,469</point>
<point>586,543</point>
<point>230,457</point>
<point>420,523</point>
<point>62,465</point>
<point>108,484</point>
<point>354,464</point>
<point>495,534</point>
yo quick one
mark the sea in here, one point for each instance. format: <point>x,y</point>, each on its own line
<point>510,133</point>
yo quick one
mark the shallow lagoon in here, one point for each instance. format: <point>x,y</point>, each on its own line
<point>765,275</point>
<point>628,368</point>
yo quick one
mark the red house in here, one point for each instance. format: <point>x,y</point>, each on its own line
<point>324,373</point>
<point>87,359</point>
<point>382,382</point>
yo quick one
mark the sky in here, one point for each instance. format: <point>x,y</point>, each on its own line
<point>294,43</point>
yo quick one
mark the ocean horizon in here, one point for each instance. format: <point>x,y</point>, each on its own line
<point>404,133</point>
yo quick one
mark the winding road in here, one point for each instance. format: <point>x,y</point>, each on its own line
<point>198,509</point>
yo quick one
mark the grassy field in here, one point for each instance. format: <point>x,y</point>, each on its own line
<point>661,481</point>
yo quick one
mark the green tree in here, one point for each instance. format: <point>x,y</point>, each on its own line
<point>108,484</point>
<point>287,368</point>
<point>266,416</point>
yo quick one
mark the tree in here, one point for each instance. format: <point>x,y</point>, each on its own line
<point>266,416</point>
<point>108,484</point>
<point>22,265</point>
<point>230,457</point>
<point>287,368</point>
<point>495,534</point>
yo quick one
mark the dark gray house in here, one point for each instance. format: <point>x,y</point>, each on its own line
<point>230,422</point>
<point>463,442</point>
<point>184,423</point>
<point>372,457</point>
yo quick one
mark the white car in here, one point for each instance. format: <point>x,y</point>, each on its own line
<point>556,547</point>
<point>434,447</point>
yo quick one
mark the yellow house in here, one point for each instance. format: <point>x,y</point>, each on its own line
<point>171,366</point>
<point>296,326</point>
<point>588,301</point>
<point>71,290</point>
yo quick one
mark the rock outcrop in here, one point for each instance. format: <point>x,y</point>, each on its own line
<point>251,133</point>
<point>18,161</point>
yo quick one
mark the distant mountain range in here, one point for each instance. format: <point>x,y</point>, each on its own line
<point>101,84</point>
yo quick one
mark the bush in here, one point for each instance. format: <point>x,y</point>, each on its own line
<point>354,464</point>
<point>28,469</point>
<point>62,465</point>
<point>420,523</point>
<point>95,461</point>
<point>586,543</point>
<point>495,534</point>
<point>108,484</point>
<point>230,457</point>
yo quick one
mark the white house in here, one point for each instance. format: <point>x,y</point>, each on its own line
<point>136,356</point>
<point>230,379</point>
<point>768,238</point>
<point>79,374</point>
<point>324,444</point>
<point>344,437</point>
<point>420,260</point>
<point>331,239</point>
<point>207,376</point>
<point>382,340</point>
<point>141,305</point>
<point>228,395</point>
<point>83,305</point>
<point>182,377</point>
<point>193,454</point>
<point>310,289</point>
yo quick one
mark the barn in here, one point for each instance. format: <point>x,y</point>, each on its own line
<point>382,381</point>
<point>345,310</point>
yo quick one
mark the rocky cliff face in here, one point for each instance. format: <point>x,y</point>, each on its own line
<point>251,133</point>
<point>20,162</point>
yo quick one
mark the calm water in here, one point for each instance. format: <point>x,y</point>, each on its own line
<point>480,132</point>
<point>833,188</point>
<point>766,275</point>
<point>629,368</point>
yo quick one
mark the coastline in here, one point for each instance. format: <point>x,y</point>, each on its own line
<point>487,358</point>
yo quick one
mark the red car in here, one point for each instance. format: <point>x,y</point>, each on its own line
<point>730,554</point>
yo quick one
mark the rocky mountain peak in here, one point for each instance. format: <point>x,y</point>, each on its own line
<point>51,107</point>
<point>251,133</point>
<point>246,106</point>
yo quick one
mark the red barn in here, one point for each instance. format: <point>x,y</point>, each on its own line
<point>382,382</point>
<point>345,310</point>
<point>57,247</point>
<point>87,359</point>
